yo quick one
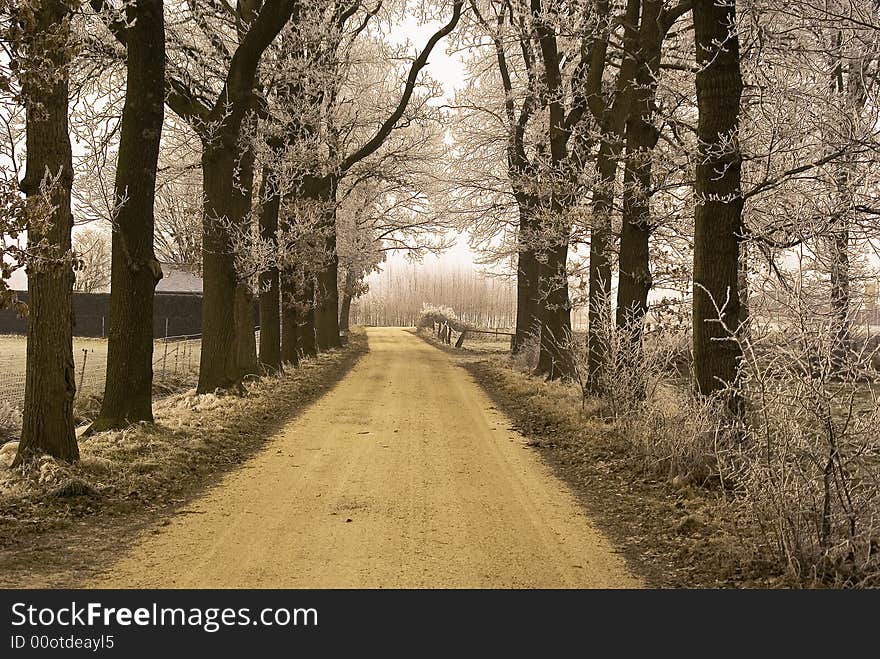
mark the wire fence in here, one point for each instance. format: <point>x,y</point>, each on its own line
<point>175,358</point>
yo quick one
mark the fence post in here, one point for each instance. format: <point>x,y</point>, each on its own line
<point>82,371</point>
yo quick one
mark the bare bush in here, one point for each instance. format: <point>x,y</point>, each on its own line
<point>672,432</point>
<point>634,362</point>
<point>811,480</point>
<point>526,356</point>
<point>678,435</point>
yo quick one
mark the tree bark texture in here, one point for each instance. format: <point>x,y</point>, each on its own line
<point>134,268</point>
<point>245,336</point>
<point>50,383</point>
<point>345,312</point>
<point>601,240</point>
<point>554,358</point>
<point>719,201</point>
<point>327,279</point>
<point>270,309</point>
<point>528,318</point>
<point>635,279</point>
<point>289,318</point>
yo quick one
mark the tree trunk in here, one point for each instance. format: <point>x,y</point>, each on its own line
<point>611,120</point>
<point>218,366</point>
<point>245,337</point>
<point>289,320</point>
<point>345,312</point>
<point>327,308</point>
<point>221,343</point>
<point>228,341</point>
<point>349,286</point>
<point>270,321</point>
<point>246,346</point>
<point>307,340</point>
<point>327,294</point>
<point>135,270</point>
<point>718,216</point>
<point>50,382</point>
<point>600,262</point>
<point>635,273</point>
<point>270,311</point>
<point>635,279</point>
<point>528,317</point>
<point>554,358</point>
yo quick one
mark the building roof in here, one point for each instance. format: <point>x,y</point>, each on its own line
<point>175,279</point>
<point>178,279</point>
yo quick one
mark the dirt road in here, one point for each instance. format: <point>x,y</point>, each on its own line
<point>403,476</point>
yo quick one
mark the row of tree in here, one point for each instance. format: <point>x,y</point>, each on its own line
<point>307,129</point>
<point>678,144</point>
<point>710,142</point>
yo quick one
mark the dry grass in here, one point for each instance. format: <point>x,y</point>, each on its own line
<point>10,421</point>
<point>175,366</point>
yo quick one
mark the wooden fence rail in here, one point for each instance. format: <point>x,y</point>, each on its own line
<point>444,333</point>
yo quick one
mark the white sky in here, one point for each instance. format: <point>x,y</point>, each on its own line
<point>444,67</point>
<point>18,280</point>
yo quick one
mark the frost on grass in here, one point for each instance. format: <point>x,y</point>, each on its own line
<point>10,421</point>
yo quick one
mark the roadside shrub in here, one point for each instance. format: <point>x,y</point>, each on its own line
<point>677,435</point>
<point>812,480</point>
<point>671,432</point>
<point>802,463</point>
<point>635,362</point>
<point>431,315</point>
<point>526,357</point>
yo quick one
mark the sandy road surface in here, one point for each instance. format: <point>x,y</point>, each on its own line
<point>404,475</point>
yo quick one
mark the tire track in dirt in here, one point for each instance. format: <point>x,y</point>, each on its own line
<point>403,476</point>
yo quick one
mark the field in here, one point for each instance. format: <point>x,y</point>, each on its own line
<point>170,358</point>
